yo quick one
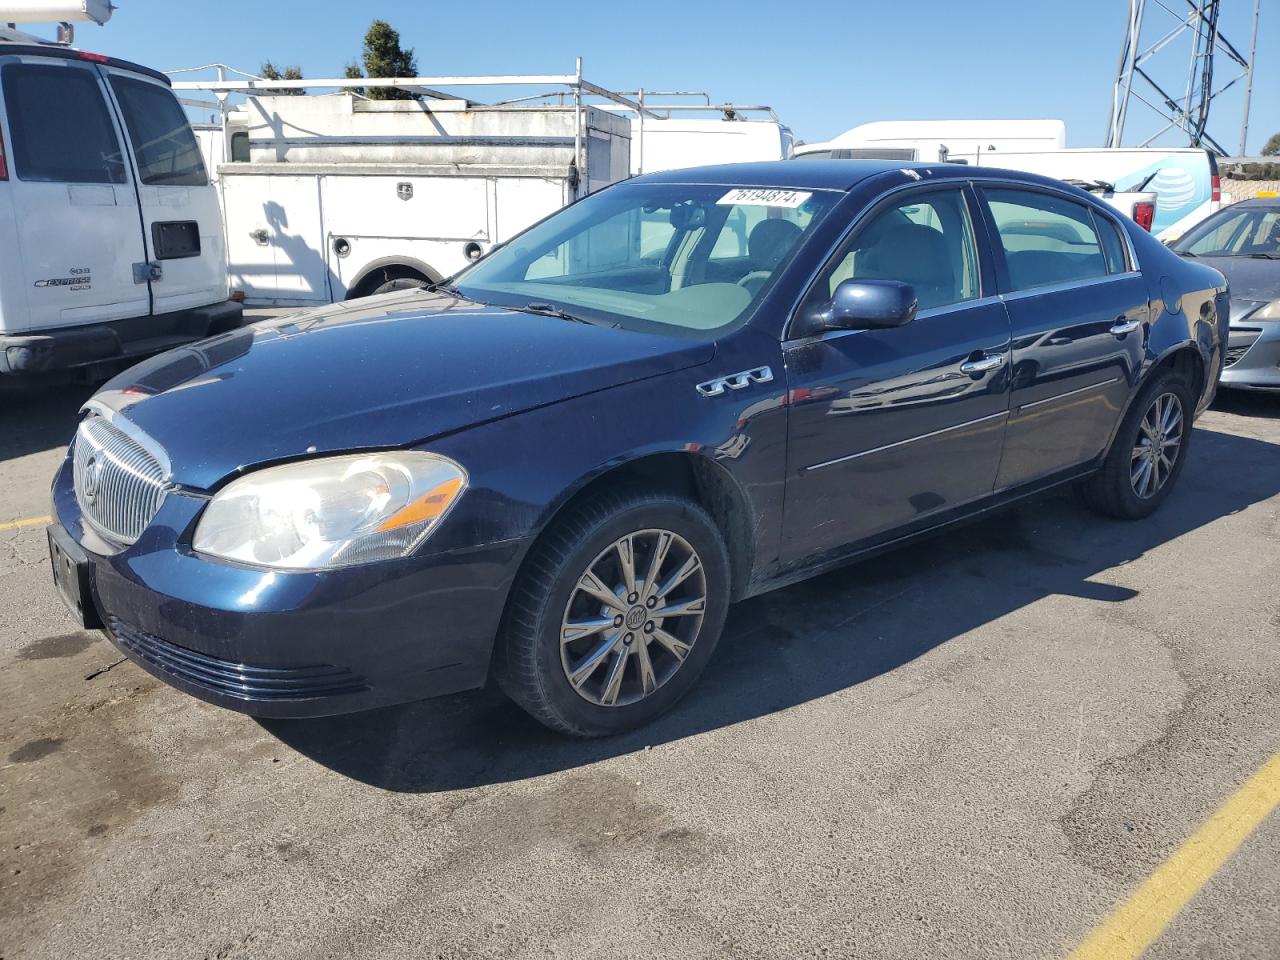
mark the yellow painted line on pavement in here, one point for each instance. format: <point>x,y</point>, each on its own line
<point>29,522</point>
<point>1135,925</point>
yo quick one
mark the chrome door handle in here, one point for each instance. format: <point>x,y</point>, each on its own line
<point>990,361</point>
<point>260,237</point>
<point>1121,327</point>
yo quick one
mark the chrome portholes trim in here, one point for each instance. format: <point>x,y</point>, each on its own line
<point>924,436</point>
<point>1070,393</point>
<point>735,381</point>
<point>633,617</point>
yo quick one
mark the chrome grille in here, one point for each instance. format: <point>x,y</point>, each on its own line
<point>119,484</point>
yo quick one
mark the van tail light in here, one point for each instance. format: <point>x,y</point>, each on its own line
<point>4,165</point>
<point>93,57</point>
<point>1215,186</point>
<point>1144,214</point>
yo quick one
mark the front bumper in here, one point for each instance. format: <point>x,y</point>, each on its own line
<point>286,644</point>
<point>67,348</point>
<point>1253,355</point>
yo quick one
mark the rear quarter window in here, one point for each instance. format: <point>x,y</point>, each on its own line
<point>60,130</point>
<point>164,146</point>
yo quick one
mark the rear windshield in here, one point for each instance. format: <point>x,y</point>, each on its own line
<point>163,144</point>
<point>680,258</point>
<point>59,128</point>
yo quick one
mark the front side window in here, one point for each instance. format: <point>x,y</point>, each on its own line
<point>925,240</point>
<point>163,145</point>
<point>675,257</point>
<point>59,125</point>
<point>1046,239</point>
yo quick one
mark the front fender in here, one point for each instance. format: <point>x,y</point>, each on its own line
<point>525,468</point>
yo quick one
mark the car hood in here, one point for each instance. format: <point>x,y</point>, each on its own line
<point>1250,278</point>
<point>383,372</point>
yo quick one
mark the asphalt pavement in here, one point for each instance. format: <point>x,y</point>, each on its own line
<point>979,746</point>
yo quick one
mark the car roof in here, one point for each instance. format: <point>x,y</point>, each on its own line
<point>1255,202</point>
<point>840,175</point>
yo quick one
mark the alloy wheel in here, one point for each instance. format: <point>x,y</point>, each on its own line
<point>633,617</point>
<point>1158,445</point>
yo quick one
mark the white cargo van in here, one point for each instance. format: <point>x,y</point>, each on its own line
<point>111,243</point>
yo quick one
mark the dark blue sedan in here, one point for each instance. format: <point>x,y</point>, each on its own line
<point>560,469</point>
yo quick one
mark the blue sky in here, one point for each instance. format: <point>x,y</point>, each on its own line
<point>825,65</point>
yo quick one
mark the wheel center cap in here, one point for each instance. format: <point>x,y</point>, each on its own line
<point>636,617</point>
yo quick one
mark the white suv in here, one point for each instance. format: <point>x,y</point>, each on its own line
<point>111,243</point>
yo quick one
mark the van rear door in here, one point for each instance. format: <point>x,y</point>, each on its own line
<point>181,223</point>
<point>73,197</point>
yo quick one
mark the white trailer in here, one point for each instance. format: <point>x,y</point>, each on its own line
<point>679,139</point>
<point>930,140</point>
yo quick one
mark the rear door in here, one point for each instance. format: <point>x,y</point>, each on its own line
<point>1079,313</point>
<point>73,197</point>
<point>182,226</point>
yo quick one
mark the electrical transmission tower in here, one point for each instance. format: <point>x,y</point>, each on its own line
<point>1143,71</point>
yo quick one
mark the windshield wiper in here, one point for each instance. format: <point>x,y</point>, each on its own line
<point>449,289</point>
<point>1186,253</point>
<point>550,310</point>
<point>1265,256</point>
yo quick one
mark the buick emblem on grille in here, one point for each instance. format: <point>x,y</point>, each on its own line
<point>92,477</point>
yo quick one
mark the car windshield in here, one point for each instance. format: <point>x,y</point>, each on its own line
<point>1235,232</point>
<point>666,257</point>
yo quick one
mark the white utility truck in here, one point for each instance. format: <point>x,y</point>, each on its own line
<point>331,197</point>
<point>111,238</point>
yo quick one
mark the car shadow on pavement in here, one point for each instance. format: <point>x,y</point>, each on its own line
<point>807,641</point>
<point>1248,403</point>
<point>34,419</point>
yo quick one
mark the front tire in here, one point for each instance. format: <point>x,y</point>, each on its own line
<point>615,613</point>
<point>1148,453</point>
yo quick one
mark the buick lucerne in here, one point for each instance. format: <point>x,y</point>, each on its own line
<point>558,469</point>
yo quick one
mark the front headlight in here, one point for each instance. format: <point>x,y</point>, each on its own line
<point>331,512</point>
<point>1270,312</point>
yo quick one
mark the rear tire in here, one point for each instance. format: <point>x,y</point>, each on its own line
<point>570,653</point>
<point>1149,450</point>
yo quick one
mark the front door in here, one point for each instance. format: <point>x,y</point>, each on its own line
<point>889,427</point>
<point>1079,310</point>
<point>73,197</point>
<point>182,225</point>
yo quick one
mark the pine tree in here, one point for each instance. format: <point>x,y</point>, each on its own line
<point>268,71</point>
<point>384,57</point>
<point>1272,147</point>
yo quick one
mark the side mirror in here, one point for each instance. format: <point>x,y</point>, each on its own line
<point>865,305</point>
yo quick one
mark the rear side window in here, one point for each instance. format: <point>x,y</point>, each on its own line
<point>163,144</point>
<point>59,125</point>
<point>1046,239</point>
<point>1112,244</point>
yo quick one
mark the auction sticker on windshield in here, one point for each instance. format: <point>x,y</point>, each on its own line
<point>758,197</point>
